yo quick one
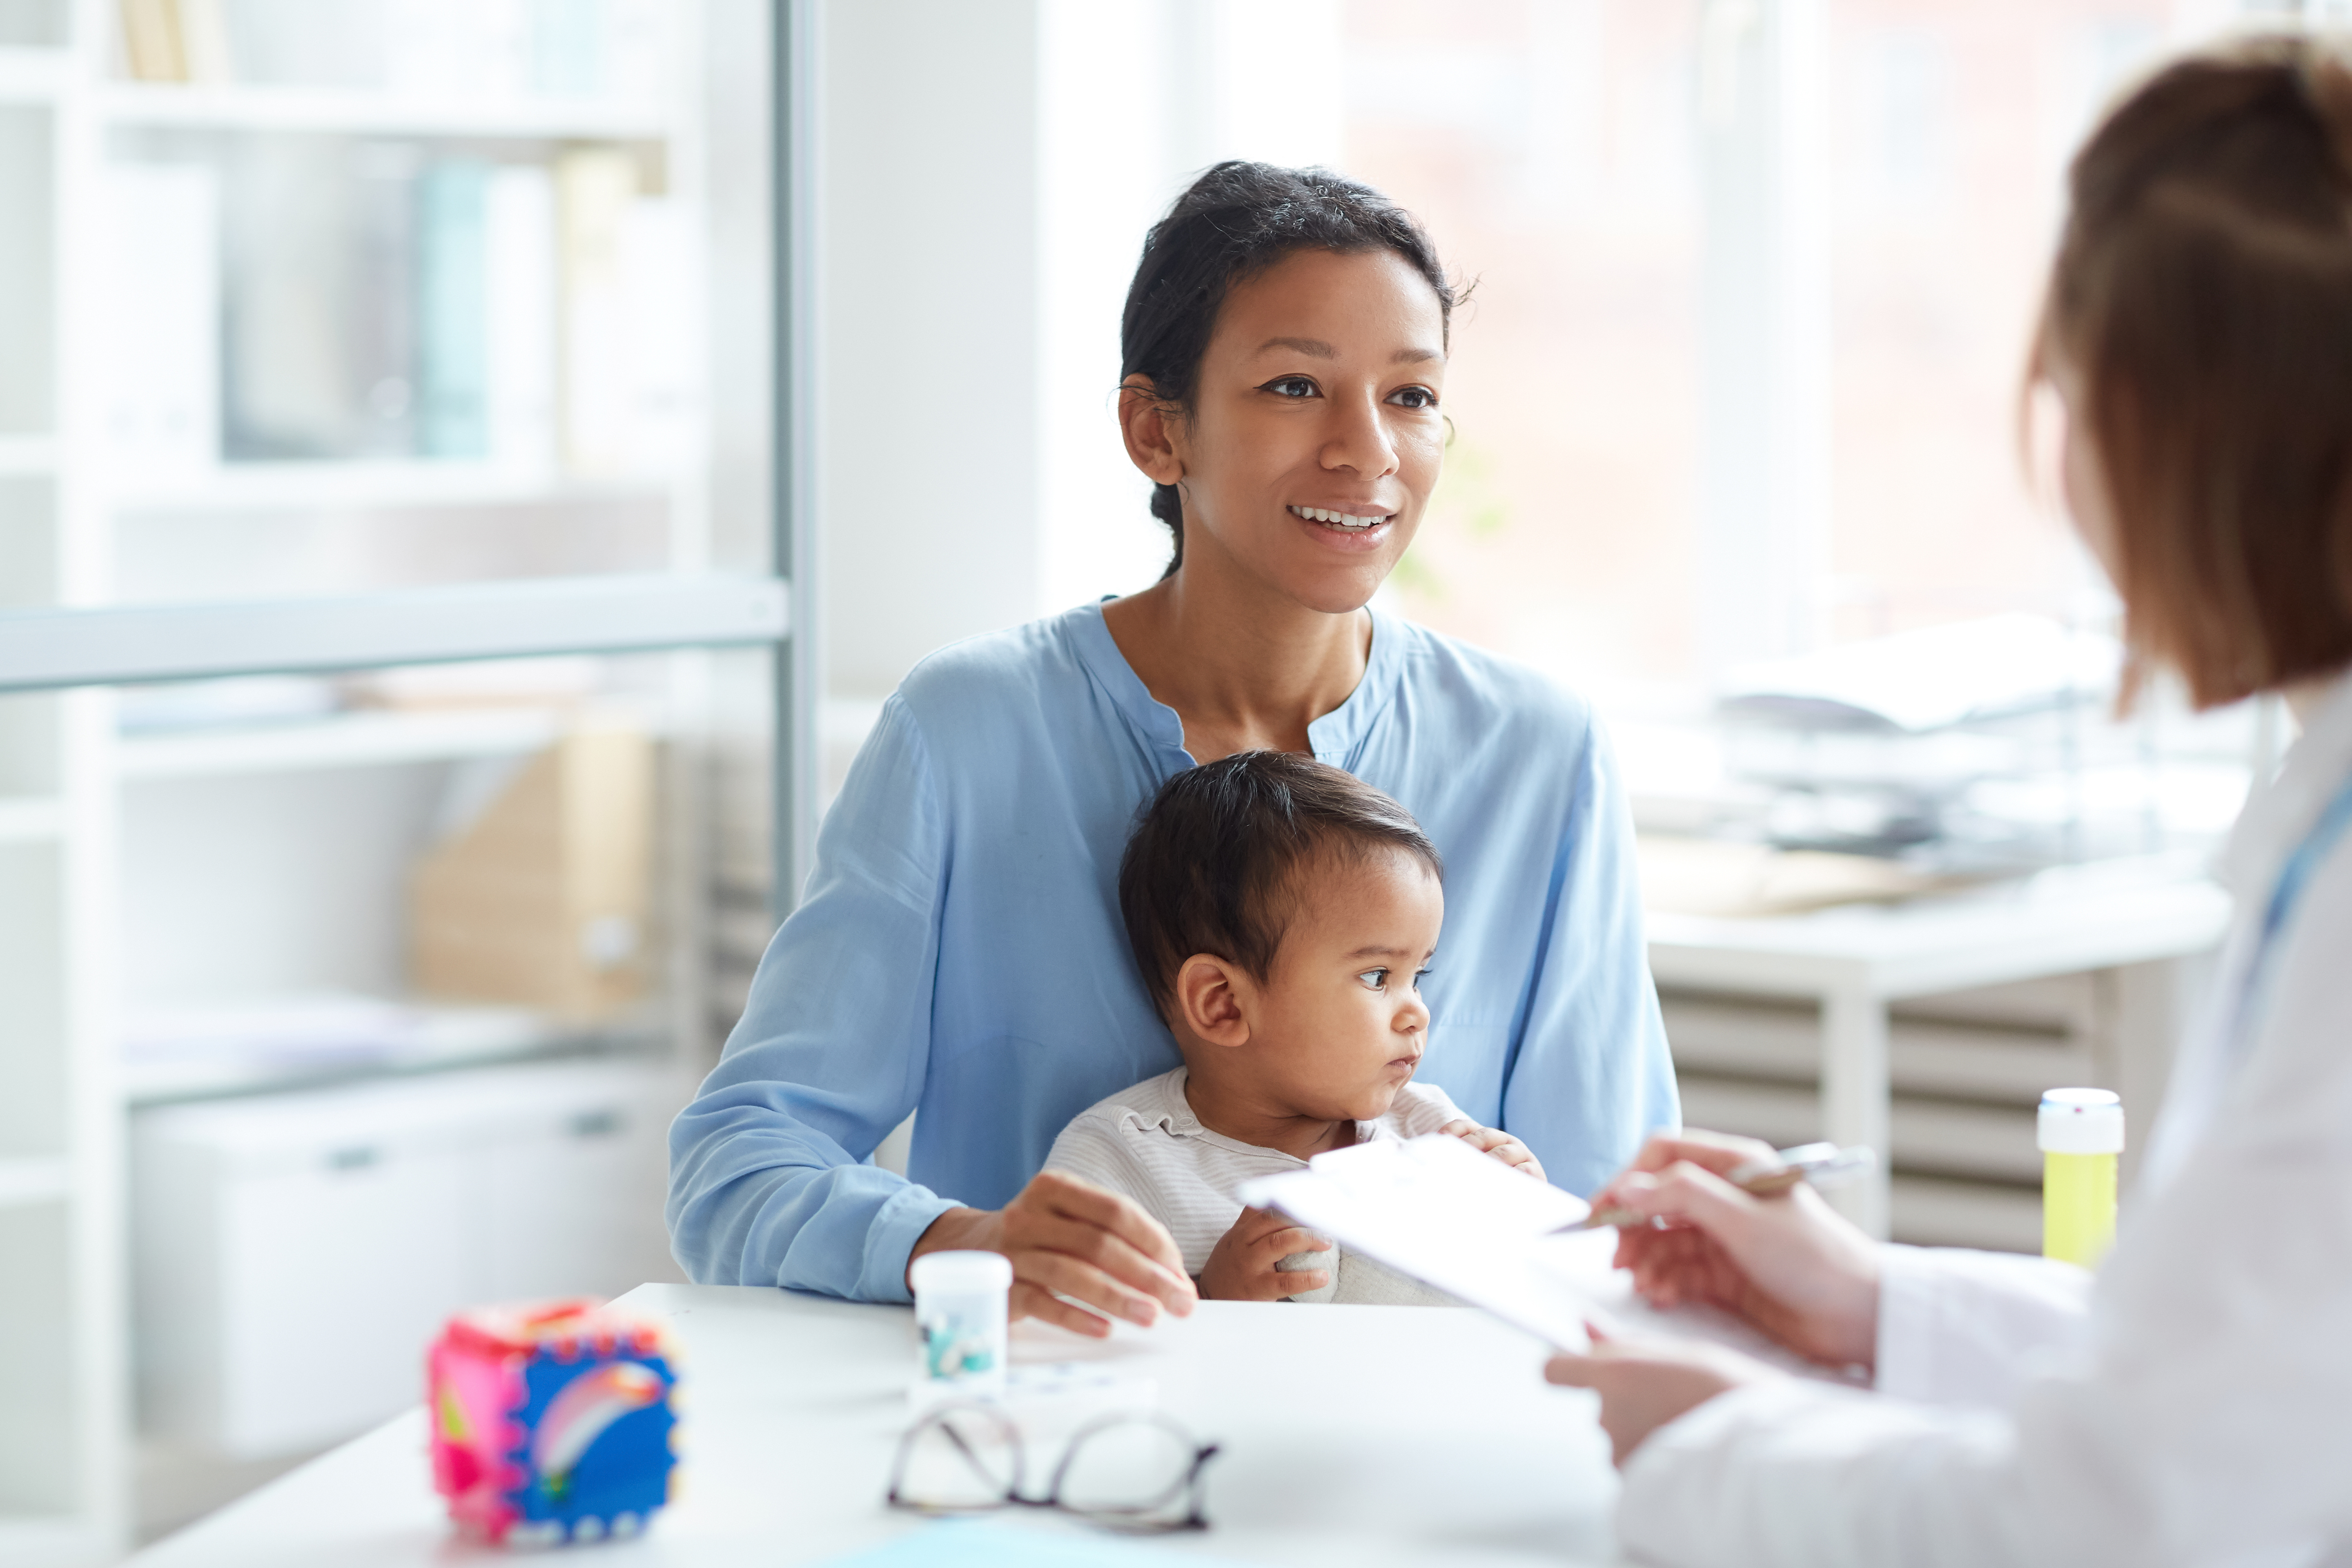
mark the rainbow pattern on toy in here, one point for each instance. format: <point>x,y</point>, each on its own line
<point>553,1421</point>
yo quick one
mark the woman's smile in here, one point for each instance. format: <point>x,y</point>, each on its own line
<point>1349,530</point>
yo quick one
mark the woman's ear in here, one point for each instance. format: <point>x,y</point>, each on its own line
<point>1149,428</point>
<point>1211,1001</point>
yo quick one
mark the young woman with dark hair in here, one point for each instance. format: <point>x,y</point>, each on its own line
<point>2190,1408</point>
<point>957,952</point>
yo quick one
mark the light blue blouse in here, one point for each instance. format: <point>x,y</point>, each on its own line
<point>959,952</point>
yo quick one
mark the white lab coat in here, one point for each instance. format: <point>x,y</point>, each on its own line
<point>2193,1407</point>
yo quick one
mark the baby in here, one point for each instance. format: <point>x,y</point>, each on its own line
<point>1283,913</point>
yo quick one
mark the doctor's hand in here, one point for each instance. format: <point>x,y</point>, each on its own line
<point>1069,1237</point>
<point>1791,1265</point>
<point>1644,1383</point>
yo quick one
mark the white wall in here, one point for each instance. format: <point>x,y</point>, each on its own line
<point>928,401</point>
<point>989,168</point>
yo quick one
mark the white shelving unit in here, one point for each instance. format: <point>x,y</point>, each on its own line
<point>374,112</point>
<point>310,485</point>
<point>80,801</point>
<point>346,741</point>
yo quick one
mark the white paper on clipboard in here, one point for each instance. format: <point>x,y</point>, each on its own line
<point>1437,1209</point>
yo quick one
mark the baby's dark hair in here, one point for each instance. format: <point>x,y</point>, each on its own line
<point>1212,865</point>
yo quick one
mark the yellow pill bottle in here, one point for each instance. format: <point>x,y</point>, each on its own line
<point>2081,1132</point>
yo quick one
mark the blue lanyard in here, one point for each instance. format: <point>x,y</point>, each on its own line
<point>2292,878</point>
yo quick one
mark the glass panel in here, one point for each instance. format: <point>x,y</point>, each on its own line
<point>424,866</point>
<point>27,238</point>
<point>357,361</point>
<point>389,294</point>
<point>1550,151</point>
<point>1555,150</point>
<point>1952,124</point>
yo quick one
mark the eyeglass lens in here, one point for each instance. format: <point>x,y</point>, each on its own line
<point>1134,1471</point>
<point>959,1460</point>
<point>1138,1468</point>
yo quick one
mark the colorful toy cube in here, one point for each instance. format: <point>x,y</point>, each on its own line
<point>551,1422</point>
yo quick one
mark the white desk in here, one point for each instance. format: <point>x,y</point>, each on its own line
<point>1855,959</point>
<point>1352,1436</point>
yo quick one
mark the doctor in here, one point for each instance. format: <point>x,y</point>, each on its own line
<point>2195,1405</point>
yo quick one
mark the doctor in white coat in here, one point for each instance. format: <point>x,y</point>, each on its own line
<point>2193,1405</point>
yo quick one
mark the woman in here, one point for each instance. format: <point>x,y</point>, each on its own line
<point>2193,1407</point>
<point>959,952</point>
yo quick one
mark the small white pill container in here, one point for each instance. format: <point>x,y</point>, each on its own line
<point>960,1307</point>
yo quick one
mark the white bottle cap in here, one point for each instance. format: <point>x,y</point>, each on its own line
<point>2080,1122</point>
<point>961,1273</point>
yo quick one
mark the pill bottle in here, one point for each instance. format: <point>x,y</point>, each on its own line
<point>961,1300</point>
<point>2081,1132</point>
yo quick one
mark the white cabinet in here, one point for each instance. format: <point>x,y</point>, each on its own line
<point>294,1253</point>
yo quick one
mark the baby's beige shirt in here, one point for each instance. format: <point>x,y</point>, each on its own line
<point>1146,1142</point>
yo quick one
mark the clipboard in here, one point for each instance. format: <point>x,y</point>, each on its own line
<point>1436,1209</point>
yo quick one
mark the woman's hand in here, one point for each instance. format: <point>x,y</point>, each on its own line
<point>1502,1145</point>
<point>1791,1265</point>
<point>1246,1263</point>
<point>1644,1383</point>
<point>1069,1237</point>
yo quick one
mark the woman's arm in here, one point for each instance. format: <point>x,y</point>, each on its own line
<point>1592,1078</point>
<point>768,1179</point>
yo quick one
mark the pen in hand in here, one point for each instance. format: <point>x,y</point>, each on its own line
<point>1822,1165</point>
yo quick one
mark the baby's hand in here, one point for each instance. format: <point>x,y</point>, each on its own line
<point>1501,1145</point>
<point>1241,1266</point>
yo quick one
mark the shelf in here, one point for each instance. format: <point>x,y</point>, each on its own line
<point>26,820</point>
<point>37,1179</point>
<point>504,618</point>
<point>37,74</point>
<point>347,741</point>
<point>263,1049</point>
<point>372,112</point>
<point>294,487</point>
<point>28,454</point>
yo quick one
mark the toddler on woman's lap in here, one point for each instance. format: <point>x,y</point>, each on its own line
<point>1283,913</point>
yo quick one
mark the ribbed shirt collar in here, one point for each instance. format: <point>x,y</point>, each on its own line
<point>1163,1102</point>
<point>1336,737</point>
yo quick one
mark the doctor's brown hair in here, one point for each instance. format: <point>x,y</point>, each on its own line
<point>2202,295</point>
<point>1215,858</point>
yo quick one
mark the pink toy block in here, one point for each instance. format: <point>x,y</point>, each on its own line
<point>553,1421</point>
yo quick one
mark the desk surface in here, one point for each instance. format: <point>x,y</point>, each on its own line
<point>1353,1436</point>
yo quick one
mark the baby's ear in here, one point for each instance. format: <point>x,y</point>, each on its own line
<point>1209,1001</point>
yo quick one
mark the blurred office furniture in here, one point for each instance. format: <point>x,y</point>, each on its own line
<point>543,898</point>
<point>293,1252</point>
<point>1971,748</point>
<point>1927,1028</point>
<point>339,340</point>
